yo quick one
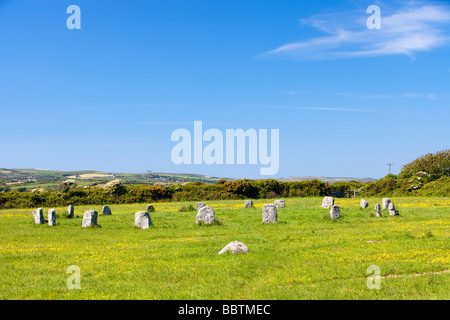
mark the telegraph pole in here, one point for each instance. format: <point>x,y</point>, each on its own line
<point>149,171</point>
<point>389,165</point>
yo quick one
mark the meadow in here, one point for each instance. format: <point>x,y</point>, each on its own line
<point>305,255</point>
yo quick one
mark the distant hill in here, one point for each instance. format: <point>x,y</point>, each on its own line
<point>328,179</point>
<point>48,179</point>
<point>28,179</point>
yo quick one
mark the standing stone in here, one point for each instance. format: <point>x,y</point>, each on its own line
<point>206,215</point>
<point>52,217</point>
<point>90,218</point>
<point>235,247</point>
<point>392,210</point>
<point>70,211</point>
<point>364,204</point>
<point>106,211</point>
<point>327,202</point>
<point>150,208</point>
<point>248,204</point>
<point>200,205</point>
<point>142,220</point>
<point>279,203</point>
<point>269,213</point>
<point>378,210</point>
<point>386,202</point>
<point>335,212</point>
<point>38,216</point>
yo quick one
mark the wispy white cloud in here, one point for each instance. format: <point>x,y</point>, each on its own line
<point>293,92</point>
<point>181,123</point>
<point>430,96</point>
<point>310,108</point>
<point>409,29</point>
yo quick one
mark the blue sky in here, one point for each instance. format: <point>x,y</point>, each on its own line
<point>347,100</point>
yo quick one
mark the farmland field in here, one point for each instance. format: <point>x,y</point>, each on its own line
<point>305,255</point>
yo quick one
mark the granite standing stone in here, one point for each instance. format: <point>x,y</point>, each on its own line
<point>90,218</point>
<point>70,211</point>
<point>269,213</point>
<point>206,215</point>
<point>248,204</point>
<point>142,220</point>
<point>52,217</point>
<point>378,210</point>
<point>200,205</point>
<point>106,211</point>
<point>392,210</point>
<point>364,204</point>
<point>235,247</point>
<point>327,202</point>
<point>38,216</point>
<point>335,212</point>
<point>150,208</point>
<point>279,203</point>
<point>386,202</point>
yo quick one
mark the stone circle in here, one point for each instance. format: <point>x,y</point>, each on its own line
<point>142,220</point>
<point>70,211</point>
<point>335,212</point>
<point>386,202</point>
<point>269,213</point>
<point>248,204</point>
<point>279,203</point>
<point>378,210</point>
<point>52,217</point>
<point>235,247</point>
<point>89,218</point>
<point>364,204</point>
<point>327,202</point>
<point>206,215</point>
<point>392,210</point>
<point>38,216</point>
<point>200,205</point>
<point>106,211</point>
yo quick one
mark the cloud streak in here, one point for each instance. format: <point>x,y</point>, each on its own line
<point>310,108</point>
<point>405,31</point>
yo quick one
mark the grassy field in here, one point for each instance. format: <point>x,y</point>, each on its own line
<point>305,255</point>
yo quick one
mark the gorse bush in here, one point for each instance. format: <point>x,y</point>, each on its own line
<point>187,208</point>
<point>437,165</point>
<point>238,189</point>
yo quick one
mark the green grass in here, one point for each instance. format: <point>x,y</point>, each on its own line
<point>303,256</point>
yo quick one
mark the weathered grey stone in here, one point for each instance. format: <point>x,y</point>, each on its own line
<point>378,210</point>
<point>142,220</point>
<point>206,215</point>
<point>392,210</point>
<point>364,204</point>
<point>248,204</point>
<point>335,212</point>
<point>38,216</point>
<point>89,218</point>
<point>327,202</point>
<point>235,247</point>
<point>52,217</point>
<point>269,213</point>
<point>279,203</point>
<point>150,208</point>
<point>386,202</point>
<point>70,211</point>
<point>106,211</point>
<point>200,205</point>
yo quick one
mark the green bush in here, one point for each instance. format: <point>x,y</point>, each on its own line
<point>437,165</point>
